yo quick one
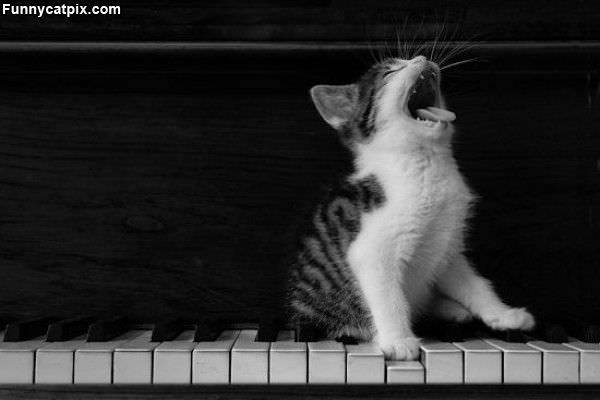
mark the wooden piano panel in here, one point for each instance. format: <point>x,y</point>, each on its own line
<point>155,183</point>
<point>316,20</point>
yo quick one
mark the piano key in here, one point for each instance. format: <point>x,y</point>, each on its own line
<point>590,333</point>
<point>132,361</point>
<point>346,340</point>
<point>54,361</point>
<point>443,362</point>
<point>173,359</point>
<point>364,364</point>
<point>404,372</point>
<point>211,359</point>
<point>513,336</point>
<point>27,329</point>
<point>249,359</point>
<point>68,329</point>
<point>17,361</point>
<point>482,362</point>
<point>554,333</point>
<point>107,329</point>
<point>306,332</point>
<point>509,335</point>
<point>268,328</point>
<point>288,360</point>
<point>584,330</point>
<point>167,330</point>
<point>589,360</point>
<point>94,360</point>
<point>451,332</point>
<point>560,364</point>
<point>522,364</point>
<point>326,362</point>
<point>207,330</point>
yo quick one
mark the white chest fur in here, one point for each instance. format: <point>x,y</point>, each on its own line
<point>420,225</point>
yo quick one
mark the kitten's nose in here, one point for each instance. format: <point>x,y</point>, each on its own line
<point>419,59</point>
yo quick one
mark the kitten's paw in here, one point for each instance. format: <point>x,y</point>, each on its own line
<point>513,318</point>
<point>461,315</point>
<point>401,349</point>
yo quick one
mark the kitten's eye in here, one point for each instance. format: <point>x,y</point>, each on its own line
<point>393,70</point>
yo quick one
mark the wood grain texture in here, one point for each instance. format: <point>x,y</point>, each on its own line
<point>317,20</point>
<point>301,392</point>
<point>155,186</point>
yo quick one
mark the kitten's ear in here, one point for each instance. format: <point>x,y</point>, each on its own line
<point>336,104</point>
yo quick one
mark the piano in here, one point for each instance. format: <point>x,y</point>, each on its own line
<point>152,163</point>
<point>114,353</point>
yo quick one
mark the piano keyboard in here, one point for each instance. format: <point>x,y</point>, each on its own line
<point>172,354</point>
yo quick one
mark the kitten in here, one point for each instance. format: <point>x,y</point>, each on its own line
<point>387,244</point>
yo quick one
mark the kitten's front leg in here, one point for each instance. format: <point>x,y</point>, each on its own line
<point>379,278</point>
<point>463,284</point>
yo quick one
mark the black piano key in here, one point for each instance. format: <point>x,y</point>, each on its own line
<point>107,329</point>
<point>589,333</point>
<point>268,328</point>
<point>512,336</point>
<point>306,332</point>
<point>207,330</point>
<point>582,329</point>
<point>451,332</point>
<point>346,339</point>
<point>554,333</point>
<point>27,329</point>
<point>68,329</point>
<point>167,330</point>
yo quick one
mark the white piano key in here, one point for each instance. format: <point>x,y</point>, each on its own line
<point>521,363</point>
<point>326,362</point>
<point>132,361</point>
<point>249,359</point>
<point>288,360</point>
<point>364,364</point>
<point>211,360</point>
<point>17,360</point>
<point>589,360</point>
<point>443,362</point>
<point>405,372</point>
<point>54,361</point>
<point>173,359</point>
<point>560,364</point>
<point>482,362</point>
<point>94,360</point>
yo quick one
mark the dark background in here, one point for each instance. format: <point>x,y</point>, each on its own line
<point>152,163</point>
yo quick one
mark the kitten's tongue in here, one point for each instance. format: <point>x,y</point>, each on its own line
<point>436,114</point>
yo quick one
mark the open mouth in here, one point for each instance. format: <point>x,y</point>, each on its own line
<point>423,101</point>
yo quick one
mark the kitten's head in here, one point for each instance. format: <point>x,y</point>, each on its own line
<point>396,102</point>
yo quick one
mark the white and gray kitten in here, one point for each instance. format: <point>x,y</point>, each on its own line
<point>387,244</point>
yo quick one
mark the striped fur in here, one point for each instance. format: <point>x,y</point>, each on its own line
<point>322,288</point>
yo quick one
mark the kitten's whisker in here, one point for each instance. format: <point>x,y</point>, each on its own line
<point>435,42</point>
<point>405,42</point>
<point>398,45</point>
<point>459,48</point>
<point>414,39</point>
<point>460,63</point>
<point>449,39</point>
